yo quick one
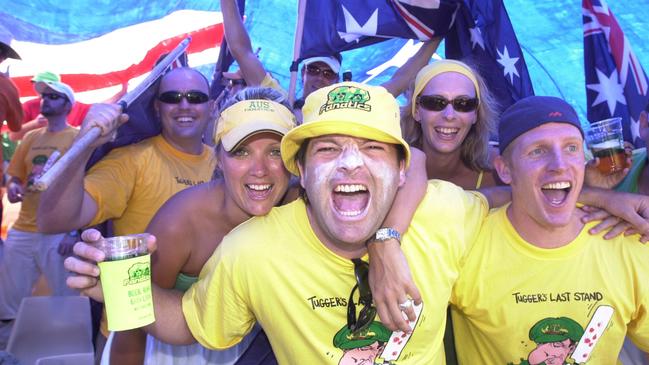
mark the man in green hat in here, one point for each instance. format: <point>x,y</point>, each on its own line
<point>31,108</point>
<point>29,253</point>
<point>364,347</point>
<point>555,338</point>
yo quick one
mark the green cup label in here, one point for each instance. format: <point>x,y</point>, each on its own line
<point>127,292</point>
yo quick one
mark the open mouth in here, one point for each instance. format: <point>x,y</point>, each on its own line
<point>556,192</point>
<point>350,200</point>
<point>259,191</point>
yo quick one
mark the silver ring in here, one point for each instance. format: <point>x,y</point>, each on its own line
<point>405,305</point>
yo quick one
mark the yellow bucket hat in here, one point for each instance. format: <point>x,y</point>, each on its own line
<point>347,108</point>
<point>427,73</point>
<point>249,117</point>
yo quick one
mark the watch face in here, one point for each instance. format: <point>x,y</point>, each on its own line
<point>384,234</point>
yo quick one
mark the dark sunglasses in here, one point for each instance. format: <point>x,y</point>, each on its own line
<point>175,97</point>
<point>233,82</point>
<point>366,316</point>
<point>438,103</point>
<point>53,96</point>
<point>326,73</point>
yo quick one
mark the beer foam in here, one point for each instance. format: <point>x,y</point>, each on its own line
<point>611,143</point>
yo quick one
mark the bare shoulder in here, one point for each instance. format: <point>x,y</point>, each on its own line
<point>178,215</point>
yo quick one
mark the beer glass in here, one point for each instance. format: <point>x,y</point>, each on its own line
<point>606,142</point>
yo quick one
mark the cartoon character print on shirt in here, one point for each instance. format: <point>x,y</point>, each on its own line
<point>374,345</point>
<point>38,165</point>
<point>364,347</point>
<point>562,340</point>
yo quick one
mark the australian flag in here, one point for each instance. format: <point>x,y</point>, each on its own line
<point>616,84</point>
<point>332,26</point>
<point>484,37</point>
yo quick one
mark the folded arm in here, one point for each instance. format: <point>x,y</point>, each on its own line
<point>390,278</point>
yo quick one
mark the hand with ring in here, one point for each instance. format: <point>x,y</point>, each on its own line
<point>405,305</point>
<point>391,284</point>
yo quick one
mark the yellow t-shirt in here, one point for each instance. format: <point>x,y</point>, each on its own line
<point>514,300</point>
<point>275,271</point>
<point>132,182</point>
<point>27,164</point>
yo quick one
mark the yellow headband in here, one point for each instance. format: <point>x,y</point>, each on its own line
<point>438,67</point>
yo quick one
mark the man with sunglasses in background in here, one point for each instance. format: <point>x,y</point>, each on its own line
<point>28,253</point>
<point>130,183</point>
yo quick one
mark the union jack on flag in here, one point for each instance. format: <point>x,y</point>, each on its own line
<point>616,84</point>
<point>333,26</point>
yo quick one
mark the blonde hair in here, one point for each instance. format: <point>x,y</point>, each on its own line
<point>474,151</point>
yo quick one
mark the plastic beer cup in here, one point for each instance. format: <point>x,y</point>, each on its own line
<point>606,142</point>
<point>126,282</point>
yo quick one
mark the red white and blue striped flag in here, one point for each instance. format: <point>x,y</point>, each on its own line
<point>98,47</point>
<point>616,84</point>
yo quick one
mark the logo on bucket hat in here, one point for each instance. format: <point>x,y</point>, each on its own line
<point>347,97</point>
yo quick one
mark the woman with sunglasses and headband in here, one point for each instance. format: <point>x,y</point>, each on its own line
<point>450,116</point>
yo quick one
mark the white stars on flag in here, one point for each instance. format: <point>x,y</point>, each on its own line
<point>508,63</point>
<point>608,90</point>
<point>353,30</point>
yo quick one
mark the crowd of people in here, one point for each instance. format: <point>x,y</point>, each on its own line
<point>342,228</point>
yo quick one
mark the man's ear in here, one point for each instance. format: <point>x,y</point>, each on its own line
<point>502,168</point>
<point>214,109</point>
<point>219,160</point>
<point>300,168</point>
<point>156,107</point>
<point>402,172</point>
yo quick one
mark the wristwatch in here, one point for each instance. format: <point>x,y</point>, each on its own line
<point>384,234</point>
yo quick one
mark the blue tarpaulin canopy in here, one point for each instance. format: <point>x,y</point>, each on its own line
<point>550,34</point>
